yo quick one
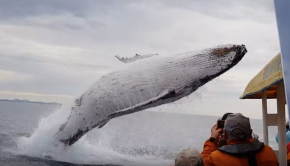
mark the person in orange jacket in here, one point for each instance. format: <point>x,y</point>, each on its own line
<point>288,148</point>
<point>288,153</point>
<point>222,142</point>
<point>241,148</point>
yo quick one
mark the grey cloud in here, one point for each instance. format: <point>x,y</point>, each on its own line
<point>40,61</point>
<point>92,32</point>
<point>61,22</point>
<point>49,78</point>
<point>129,21</point>
<point>16,9</point>
<point>231,10</point>
<point>127,17</point>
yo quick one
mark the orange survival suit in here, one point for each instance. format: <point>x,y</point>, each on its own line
<point>249,153</point>
<point>288,153</point>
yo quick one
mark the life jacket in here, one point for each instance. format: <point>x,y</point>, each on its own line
<point>248,150</point>
<point>238,153</point>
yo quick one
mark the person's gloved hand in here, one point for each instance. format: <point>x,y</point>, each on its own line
<point>215,132</point>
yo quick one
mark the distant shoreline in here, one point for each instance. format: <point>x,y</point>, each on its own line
<point>27,101</point>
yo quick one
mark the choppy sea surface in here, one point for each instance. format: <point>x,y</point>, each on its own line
<point>143,138</point>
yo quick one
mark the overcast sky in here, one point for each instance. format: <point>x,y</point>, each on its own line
<point>53,50</point>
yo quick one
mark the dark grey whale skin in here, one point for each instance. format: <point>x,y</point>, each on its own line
<point>145,84</point>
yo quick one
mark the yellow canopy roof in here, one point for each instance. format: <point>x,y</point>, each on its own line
<point>266,79</point>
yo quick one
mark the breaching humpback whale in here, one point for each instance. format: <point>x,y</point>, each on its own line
<point>145,83</point>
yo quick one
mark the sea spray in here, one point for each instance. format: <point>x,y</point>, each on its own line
<point>42,144</point>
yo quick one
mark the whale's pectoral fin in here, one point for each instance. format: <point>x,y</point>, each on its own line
<point>161,96</point>
<point>135,58</point>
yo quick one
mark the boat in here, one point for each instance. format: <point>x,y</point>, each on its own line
<point>273,82</point>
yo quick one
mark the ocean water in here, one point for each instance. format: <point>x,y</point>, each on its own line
<point>143,138</point>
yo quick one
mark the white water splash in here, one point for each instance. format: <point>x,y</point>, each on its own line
<point>43,145</point>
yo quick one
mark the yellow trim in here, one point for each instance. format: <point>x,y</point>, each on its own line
<point>266,79</point>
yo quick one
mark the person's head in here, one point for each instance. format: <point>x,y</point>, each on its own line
<point>189,157</point>
<point>237,128</point>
